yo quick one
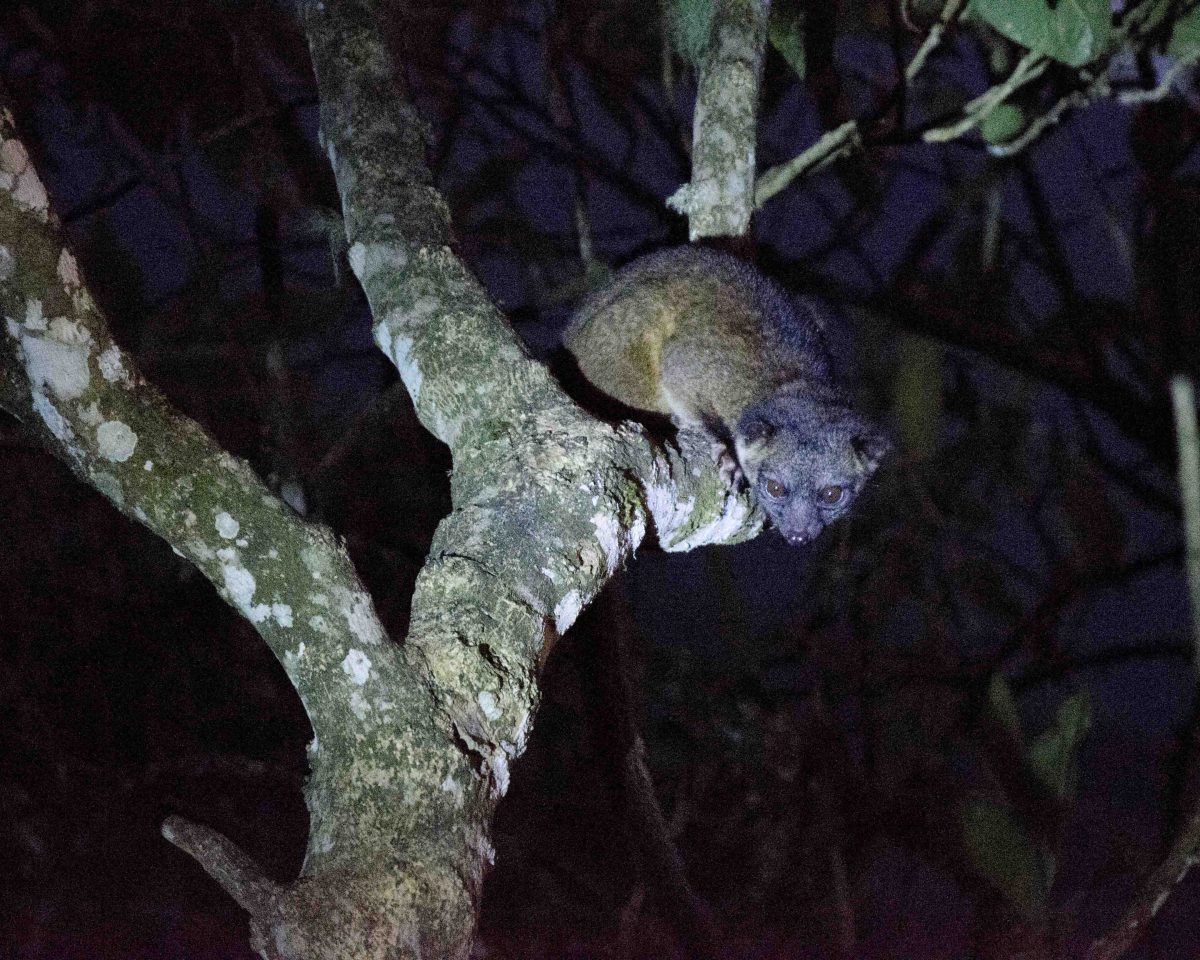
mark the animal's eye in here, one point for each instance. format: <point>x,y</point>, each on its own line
<point>831,495</point>
<point>775,488</point>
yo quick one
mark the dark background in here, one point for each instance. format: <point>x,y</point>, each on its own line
<point>821,723</point>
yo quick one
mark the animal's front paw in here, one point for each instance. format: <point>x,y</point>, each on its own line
<point>727,465</point>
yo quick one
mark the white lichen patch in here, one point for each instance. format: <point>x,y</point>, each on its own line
<point>226,526</point>
<point>55,422</point>
<point>240,586</point>
<point>484,850</point>
<point>112,366</point>
<point>282,614</point>
<point>566,610</point>
<point>522,735</point>
<point>148,465</point>
<point>56,364</point>
<point>367,261</point>
<point>34,317</point>
<point>668,512</point>
<point>90,414</point>
<point>189,518</point>
<point>608,533</point>
<point>400,350</point>
<point>729,524</point>
<point>68,269</point>
<point>115,441</point>
<point>358,705</point>
<point>29,193</point>
<point>14,159</point>
<point>455,789</point>
<point>676,524</point>
<point>314,561</point>
<point>357,666</point>
<point>487,703</point>
<point>637,531</point>
<point>360,617</point>
<point>500,773</point>
<point>21,180</point>
<point>66,330</point>
<point>293,657</point>
<point>383,338</point>
<point>8,263</point>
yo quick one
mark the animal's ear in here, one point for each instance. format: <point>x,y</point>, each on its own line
<point>870,449</point>
<point>756,428</point>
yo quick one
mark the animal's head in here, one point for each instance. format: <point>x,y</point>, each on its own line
<point>806,460</point>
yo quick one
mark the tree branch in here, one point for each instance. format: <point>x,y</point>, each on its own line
<point>62,375</point>
<point>720,198</point>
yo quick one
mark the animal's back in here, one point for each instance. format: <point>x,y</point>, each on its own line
<point>695,329</point>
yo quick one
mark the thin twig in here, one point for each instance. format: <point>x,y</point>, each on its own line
<point>847,138</point>
<point>225,862</point>
<point>1029,67</point>
<point>933,39</point>
<point>1163,87</point>
<point>1099,87</point>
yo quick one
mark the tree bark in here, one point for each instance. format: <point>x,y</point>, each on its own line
<point>413,744</point>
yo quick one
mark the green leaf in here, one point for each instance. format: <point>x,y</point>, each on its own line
<point>1007,122</point>
<point>1054,754</point>
<point>1185,36</point>
<point>689,21</point>
<point>1006,857</point>
<point>1004,707</point>
<point>786,33</point>
<point>1073,32</point>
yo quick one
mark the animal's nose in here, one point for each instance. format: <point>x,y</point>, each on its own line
<point>804,535</point>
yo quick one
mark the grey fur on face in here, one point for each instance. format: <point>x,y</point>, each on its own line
<point>806,461</point>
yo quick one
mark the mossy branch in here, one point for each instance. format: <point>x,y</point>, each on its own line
<point>720,198</point>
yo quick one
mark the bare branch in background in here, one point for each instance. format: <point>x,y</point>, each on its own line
<point>719,199</point>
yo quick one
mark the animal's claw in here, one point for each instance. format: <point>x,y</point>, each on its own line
<point>727,466</point>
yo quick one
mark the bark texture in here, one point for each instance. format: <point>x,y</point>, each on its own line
<point>720,199</point>
<point>413,744</point>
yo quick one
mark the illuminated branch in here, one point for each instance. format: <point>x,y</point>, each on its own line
<point>720,198</point>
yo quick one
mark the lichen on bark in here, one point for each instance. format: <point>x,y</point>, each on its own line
<point>719,200</point>
<point>413,744</point>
